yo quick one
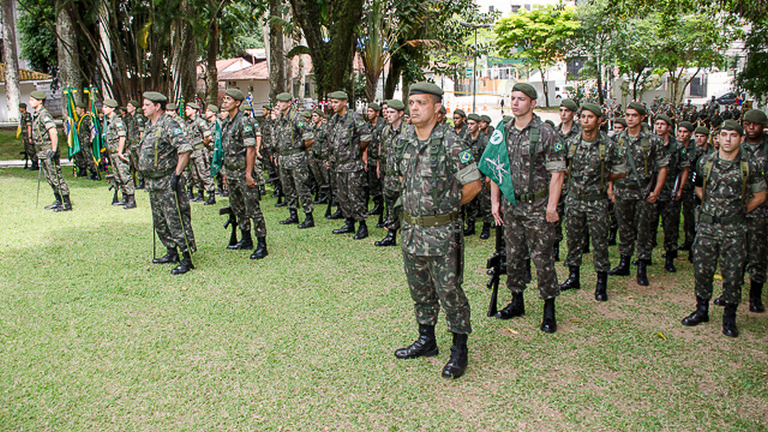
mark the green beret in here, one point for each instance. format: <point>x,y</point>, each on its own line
<point>425,87</point>
<point>474,117</point>
<point>702,130</point>
<point>571,105</point>
<point>307,114</point>
<point>527,90</point>
<point>81,105</point>
<point>170,107</point>
<point>593,108</point>
<point>340,95</point>
<point>485,118</point>
<point>193,105</point>
<point>140,110</point>
<point>664,117</point>
<point>155,97</point>
<point>687,125</point>
<point>318,111</point>
<point>284,97</point>
<point>550,122</point>
<point>267,107</point>
<point>37,94</point>
<point>460,112</point>
<point>637,106</point>
<point>443,110</point>
<point>110,103</point>
<point>621,121</point>
<point>756,116</point>
<point>212,108</point>
<point>235,94</point>
<point>244,107</point>
<point>733,125</point>
<point>506,118</point>
<point>396,104</point>
<point>23,105</point>
<point>374,106</point>
<point>135,103</point>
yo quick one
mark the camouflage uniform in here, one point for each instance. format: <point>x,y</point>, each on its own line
<point>757,220</point>
<point>525,226</point>
<point>159,152</point>
<point>574,133</point>
<point>318,156</point>
<point>374,182</point>
<point>666,206</point>
<point>689,197</point>
<point>481,204</point>
<point>463,133</point>
<point>134,124</point>
<point>268,150</point>
<point>84,158</point>
<point>114,129</point>
<point>29,145</point>
<point>290,131</point>
<point>586,206</point>
<point>433,174</point>
<point>42,122</point>
<point>388,168</point>
<point>196,130</point>
<point>345,135</point>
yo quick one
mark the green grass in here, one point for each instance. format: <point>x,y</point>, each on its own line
<point>10,146</point>
<point>93,337</point>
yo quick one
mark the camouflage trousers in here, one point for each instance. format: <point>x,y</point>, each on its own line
<point>258,173</point>
<point>374,183</point>
<point>29,149</point>
<point>561,212</point>
<point>84,159</point>
<point>172,217</point>
<point>52,172</point>
<point>757,248</point>
<point>689,215</point>
<point>122,172</point>
<point>635,219</point>
<point>269,165</point>
<point>351,194</point>
<point>669,211</point>
<point>391,194</point>
<point>135,162</point>
<point>480,206</point>
<point>319,172</point>
<point>725,244</point>
<point>587,218</point>
<point>296,186</point>
<point>245,203</point>
<point>201,170</point>
<point>435,281</point>
<point>526,230</point>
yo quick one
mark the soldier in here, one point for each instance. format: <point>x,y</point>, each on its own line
<point>684,132</point>
<point>485,126</point>
<point>537,162</point>
<point>594,161</point>
<point>199,135</point>
<point>293,137</point>
<point>319,155</point>
<point>25,124</point>
<point>441,115</point>
<point>348,137</point>
<point>377,124</point>
<point>134,123</point>
<point>163,155</point>
<point>481,204</point>
<point>387,169</point>
<point>730,185</point>
<point>438,174</point>
<point>568,129</point>
<point>84,157</point>
<point>114,137</point>
<point>258,171</point>
<point>267,149</point>
<point>46,140</point>
<point>634,198</point>
<point>460,123</point>
<point>214,124</point>
<point>239,142</point>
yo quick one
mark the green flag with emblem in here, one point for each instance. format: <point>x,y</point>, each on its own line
<point>495,162</point>
<point>218,152</point>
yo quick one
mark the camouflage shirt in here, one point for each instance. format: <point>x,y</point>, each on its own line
<point>757,154</point>
<point>463,132</point>
<point>114,129</point>
<point>477,145</point>
<point>433,172</point>
<point>645,155</point>
<point>266,126</point>
<point>24,121</point>
<point>374,146</point>
<point>290,131</point>
<point>159,151</point>
<point>42,121</point>
<point>197,130</point>
<point>237,133</point>
<point>388,166</point>
<point>573,133</point>
<point>345,133</point>
<point>132,127</point>
<point>84,129</point>
<point>319,148</point>
<point>587,161</point>
<point>722,190</point>
<point>678,160</point>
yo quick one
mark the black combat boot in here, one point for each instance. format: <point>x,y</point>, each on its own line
<point>66,205</point>
<point>549,323</point>
<point>755,297</point>
<point>261,249</point>
<point>95,176</point>
<point>720,301</point>
<point>337,215</point>
<point>309,221</point>
<point>185,265</point>
<point>642,274</point>
<point>190,194</point>
<point>573,281</point>
<point>515,308</point>
<point>388,240</point>
<point>700,315</point>
<point>670,263</point>
<point>280,202</point>
<point>82,172</point>
<point>246,241</point>
<point>622,269</point>
<point>348,227</point>
<point>171,256</point>
<point>648,262</point>
<point>122,202</point>
<point>377,207</point>
<point>362,231</point>
<point>470,229</point>
<point>277,192</point>
<point>424,346</point>
<point>322,196</point>
<point>729,320</point>
<point>141,184</point>
<point>486,233</point>
<point>556,251</point>
<point>292,219</point>
<point>612,237</point>
<point>262,190</point>
<point>601,288</point>
<point>130,203</point>
<point>211,198</point>
<point>380,223</point>
<point>200,197</point>
<point>56,204</point>
<point>457,363</point>
<point>685,246</point>
<point>35,166</point>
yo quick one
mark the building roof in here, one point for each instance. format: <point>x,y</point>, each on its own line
<point>259,71</point>
<point>25,75</point>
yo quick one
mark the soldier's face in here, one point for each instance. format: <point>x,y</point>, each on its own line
<point>521,104</point>
<point>393,115</point>
<point>338,105</point>
<point>228,103</point>
<point>34,103</point>
<point>372,114</point>
<point>80,112</point>
<point>566,115</point>
<point>729,141</point>
<point>150,108</point>
<point>472,126</point>
<point>683,134</point>
<point>618,127</point>
<point>458,120</point>
<point>424,108</point>
<point>754,131</point>
<point>283,106</point>
<point>589,121</point>
<point>633,118</point>
<point>190,112</point>
<point>661,127</point>
<point>130,108</point>
<point>209,114</point>
<point>701,139</point>
<point>107,110</point>
<point>316,118</point>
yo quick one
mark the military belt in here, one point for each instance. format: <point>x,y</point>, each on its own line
<point>291,152</point>
<point>722,220</point>
<point>594,196</point>
<point>632,186</point>
<point>44,148</point>
<point>529,198</point>
<point>159,174</point>
<point>235,167</point>
<point>426,221</point>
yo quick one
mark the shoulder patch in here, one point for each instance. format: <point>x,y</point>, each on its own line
<point>621,151</point>
<point>465,156</point>
<point>361,123</point>
<point>559,146</point>
<point>177,131</point>
<point>247,129</point>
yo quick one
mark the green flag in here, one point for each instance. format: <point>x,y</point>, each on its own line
<point>218,152</point>
<point>73,141</point>
<point>495,162</point>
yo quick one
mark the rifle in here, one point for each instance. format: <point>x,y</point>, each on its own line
<point>651,184</point>
<point>113,185</point>
<point>497,265</point>
<point>676,187</point>
<point>331,200</point>
<point>232,221</point>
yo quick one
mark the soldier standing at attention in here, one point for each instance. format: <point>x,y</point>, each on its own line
<point>477,141</point>
<point>377,124</point>
<point>537,162</point>
<point>214,124</point>
<point>239,141</point>
<point>438,175</point>
<point>593,161</point>
<point>460,123</point>
<point>318,156</point>
<point>134,123</point>
<point>163,155</point>
<point>348,137</point>
<point>684,133</point>
<point>114,137</point>
<point>485,125</point>
<point>84,157</point>
<point>199,135</point>
<point>293,137</point>
<point>568,129</point>
<point>25,123</point>
<point>46,140</point>
<point>387,169</point>
<point>634,209</point>
<point>267,148</point>
<point>730,186</point>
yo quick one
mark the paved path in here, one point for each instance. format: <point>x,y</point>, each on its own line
<point>20,163</point>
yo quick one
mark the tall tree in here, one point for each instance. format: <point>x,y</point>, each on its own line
<point>11,71</point>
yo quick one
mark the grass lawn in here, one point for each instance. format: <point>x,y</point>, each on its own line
<point>93,337</point>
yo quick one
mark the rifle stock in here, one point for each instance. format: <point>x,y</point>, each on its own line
<point>231,222</point>
<point>497,265</point>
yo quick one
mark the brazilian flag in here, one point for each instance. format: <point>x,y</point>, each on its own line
<point>97,141</point>
<point>73,141</point>
<point>495,162</point>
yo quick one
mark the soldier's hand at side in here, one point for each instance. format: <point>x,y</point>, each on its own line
<point>652,198</point>
<point>679,195</point>
<point>51,154</point>
<point>122,156</point>
<point>249,181</point>
<point>496,212</point>
<point>552,216</point>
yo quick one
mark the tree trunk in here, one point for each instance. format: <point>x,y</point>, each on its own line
<point>393,78</point>
<point>276,58</point>
<point>212,74</point>
<point>67,52</point>
<point>544,87</point>
<point>12,86</point>
<point>184,58</point>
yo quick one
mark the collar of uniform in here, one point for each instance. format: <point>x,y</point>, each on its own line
<point>535,121</point>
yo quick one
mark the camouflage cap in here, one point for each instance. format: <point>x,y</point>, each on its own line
<point>135,103</point>
<point>37,94</point>
<point>110,103</point>
<point>593,108</point>
<point>155,97</point>
<point>687,125</point>
<point>621,121</point>
<point>474,117</point>
<point>663,117</point>
<point>339,95</point>
<point>527,90</point>
<point>396,104</point>
<point>460,112</point>
<point>702,130</point>
<point>212,108</point>
<point>733,125</point>
<point>170,107</point>
<point>756,116</point>
<point>235,94</point>
<point>374,106</point>
<point>284,97</point>
<point>485,118</point>
<point>570,105</point>
<point>425,87</point>
<point>637,106</point>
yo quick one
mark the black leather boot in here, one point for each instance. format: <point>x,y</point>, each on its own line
<point>755,297</point>
<point>280,202</point>
<point>388,240</point>
<point>729,320</point>
<point>457,363</point>
<point>337,215</point>
<point>82,172</point>
<point>470,229</point>
<point>95,176</point>
<point>171,256</point>
<point>65,204</point>
<point>56,203</point>
<point>601,288</point>
<point>35,166</point>
<point>122,202</point>
<point>669,265</point>
<point>277,192</point>
<point>612,237</point>
<point>622,269</point>
<point>515,308</point>
<point>642,274</point>
<point>720,301</point>
<point>211,199</point>
<point>362,231</point>
<point>348,227</point>
<point>549,322</point>
<point>685,246</point>
<point>380,223</point>
<point>246,241</point>
<point>377,207</point>
<point>199,197</point>
<point>700,315</point>
<point>130,203</point>
<point>292,219</point>
<point>322,196</point>
<point>261,249</point>
<point>486,233</point>
<point>573,281</point>
<point>185,265</point>
<point>556,251</point>
<point>190,193</point>
<point>424,346</point>
<point>309,221</point>
<point>262,190</point>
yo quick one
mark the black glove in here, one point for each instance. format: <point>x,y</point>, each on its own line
<point>51,154</point>
<point>174,181</point>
